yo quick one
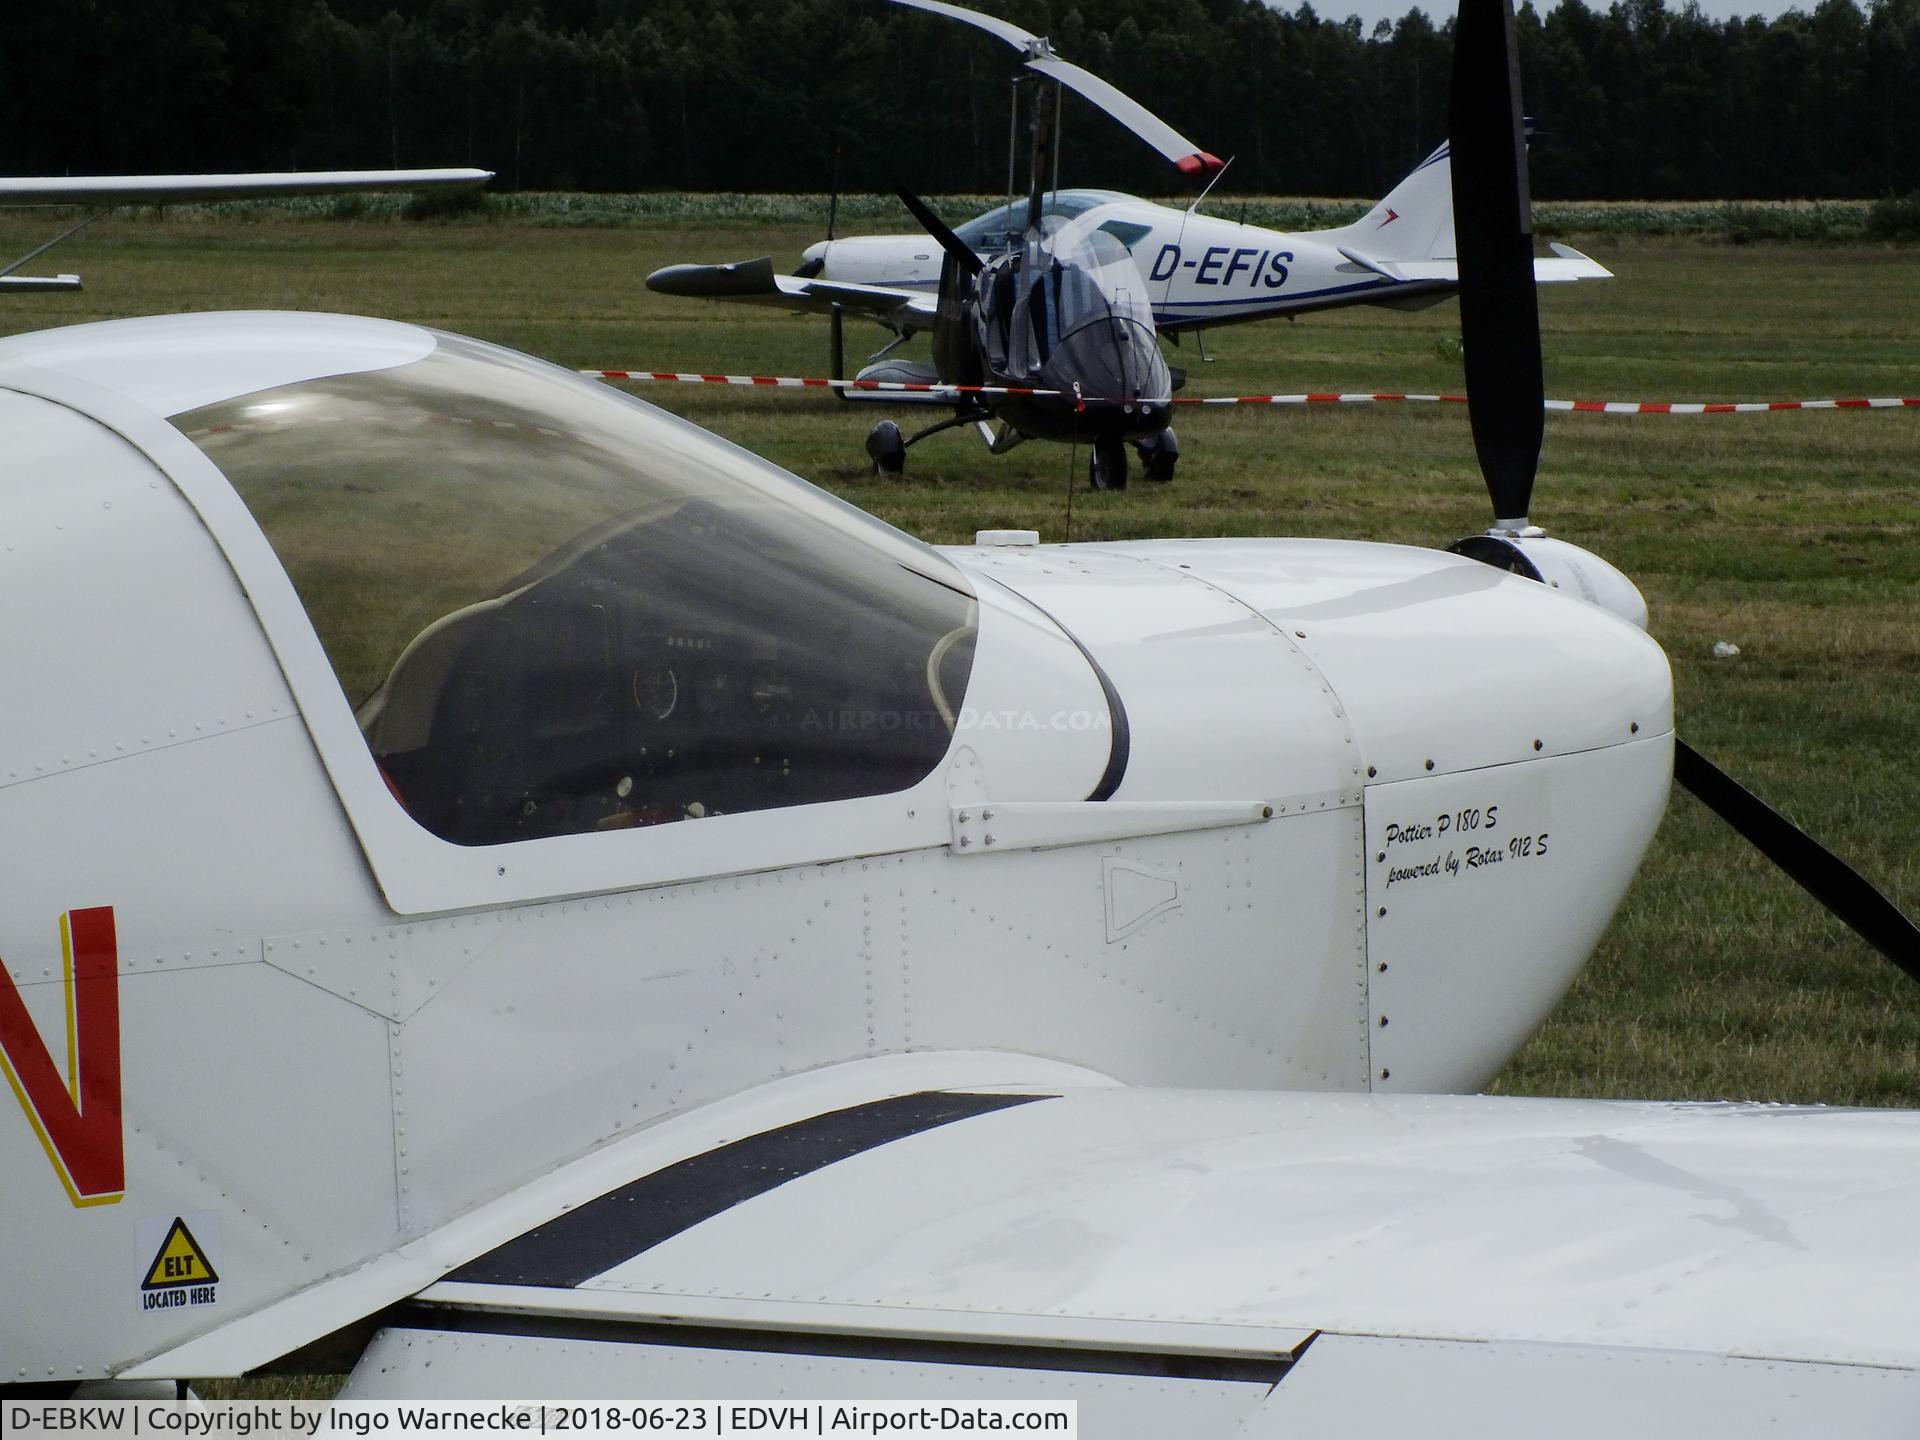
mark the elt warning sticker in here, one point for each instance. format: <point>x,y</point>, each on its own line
<point>181,1270</point>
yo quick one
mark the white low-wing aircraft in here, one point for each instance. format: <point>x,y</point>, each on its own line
<point>102,192</point>
<point>1196,271</point>
<point>512,893</point>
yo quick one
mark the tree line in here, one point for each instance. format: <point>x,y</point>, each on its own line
<point>1637,101</point>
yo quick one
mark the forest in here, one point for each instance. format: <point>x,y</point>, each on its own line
<point>1637,101</point>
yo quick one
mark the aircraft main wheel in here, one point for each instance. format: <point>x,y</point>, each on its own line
<point>888,448</point>
<point>1107,467</point>
<point>1159,455</point>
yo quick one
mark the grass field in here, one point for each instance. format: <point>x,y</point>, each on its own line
<point>1795,536</point>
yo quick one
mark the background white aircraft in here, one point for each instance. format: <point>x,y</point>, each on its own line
<point>537,900</point>
<point>1196,271</point>
<point>102,192</point>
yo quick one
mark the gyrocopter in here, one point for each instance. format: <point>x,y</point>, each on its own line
<point>1047,336</point>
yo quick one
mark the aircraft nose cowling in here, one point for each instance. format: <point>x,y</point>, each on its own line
<point>910,260</point>
<point>1517,748</point>
<point>1482,759</point>
<point>1438,664</point>
<point>1443,667</point>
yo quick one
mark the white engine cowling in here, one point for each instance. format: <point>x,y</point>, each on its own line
<point>1538,556</point>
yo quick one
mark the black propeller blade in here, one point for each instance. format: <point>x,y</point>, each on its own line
<point>1493,237</point>
<point>1500,328</point>
<point>1817,870</point>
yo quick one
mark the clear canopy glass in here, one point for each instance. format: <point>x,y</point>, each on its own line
<point>558,609</point>
<point>1004,226</point>
<point>1039,300</point>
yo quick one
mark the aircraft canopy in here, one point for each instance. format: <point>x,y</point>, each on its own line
<point>1005,226</point>
<point>1038,305</point>
<point>557,609</point>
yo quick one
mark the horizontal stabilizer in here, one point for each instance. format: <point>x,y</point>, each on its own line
<point>1578,267</point>
<point>1565,264</point>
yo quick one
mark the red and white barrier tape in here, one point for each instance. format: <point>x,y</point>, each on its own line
<point>1328,398</point>
<point>1582,407</point>
<point>788,382</point>
<point>1381,397</point>
<point>1717,407</point>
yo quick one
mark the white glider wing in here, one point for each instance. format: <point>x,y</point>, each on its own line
<point>182,189</point>
<point>99,192</point>
<point>33,284</point>
<point>1197,1263</point>
<point>756,283</point>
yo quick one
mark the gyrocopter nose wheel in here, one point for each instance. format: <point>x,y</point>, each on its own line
<point>1107,467</point>
<point>888,448</point>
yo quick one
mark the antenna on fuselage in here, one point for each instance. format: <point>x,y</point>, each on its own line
<point>1057,146</point>
<point>1013,135</point>
<point>1045,156</point>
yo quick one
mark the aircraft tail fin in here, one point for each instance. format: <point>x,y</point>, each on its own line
<point>1415,219</point>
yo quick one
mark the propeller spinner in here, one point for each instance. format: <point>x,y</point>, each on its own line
<point>1500,331</point>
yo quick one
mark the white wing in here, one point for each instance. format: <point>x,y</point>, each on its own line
<point>1201,1263</point>
<point>101,191</point>
<point>31,284</point>
<point>179,189</point>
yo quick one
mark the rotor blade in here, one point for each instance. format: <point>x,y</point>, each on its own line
<point>1493,235</point>
<point>961,252</point>
<point>1847,894</point>
<point>1024,41</point>
<point>1186,156</point>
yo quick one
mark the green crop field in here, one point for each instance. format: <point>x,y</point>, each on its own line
<point>1794,536</point>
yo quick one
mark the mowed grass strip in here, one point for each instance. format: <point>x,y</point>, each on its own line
<point>1794,536</point>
